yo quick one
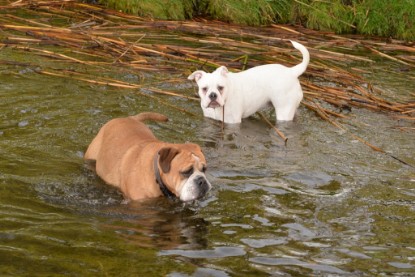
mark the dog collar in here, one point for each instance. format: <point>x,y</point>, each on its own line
<point>166,192</point>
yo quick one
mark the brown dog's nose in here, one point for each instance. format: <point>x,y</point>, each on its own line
<point>200,181</point>
<point>202,186</point>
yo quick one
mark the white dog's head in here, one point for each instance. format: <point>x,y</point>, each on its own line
<point>212,87</point>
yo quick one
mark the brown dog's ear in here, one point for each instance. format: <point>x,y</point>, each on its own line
<point>166,155</point>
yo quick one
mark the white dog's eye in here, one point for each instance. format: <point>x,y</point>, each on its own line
<point>220,88</point>
<point>205,89</point>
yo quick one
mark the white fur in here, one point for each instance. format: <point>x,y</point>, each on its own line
<point>189,190</point>
<point>242,94</point>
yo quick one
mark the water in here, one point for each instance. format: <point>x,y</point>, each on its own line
<point>324,205</point>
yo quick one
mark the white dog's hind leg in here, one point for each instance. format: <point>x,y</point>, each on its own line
<point>286,107</point>
<point>285,113</point>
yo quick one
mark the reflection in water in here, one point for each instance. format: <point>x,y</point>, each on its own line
<point>296,262</point>
<point>217,252</point>
<point>155,223</point>
<point>251,148</point>
<point>253,153</point>
<point>160,224</point>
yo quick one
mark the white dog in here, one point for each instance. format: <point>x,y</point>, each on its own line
<point>232,96</point>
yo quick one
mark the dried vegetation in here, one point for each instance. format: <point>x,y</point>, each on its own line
<point>102,39</point>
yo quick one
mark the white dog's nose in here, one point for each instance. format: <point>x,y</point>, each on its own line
<point>213,96</point>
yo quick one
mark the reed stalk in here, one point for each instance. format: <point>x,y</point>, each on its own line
<point>105,41</point>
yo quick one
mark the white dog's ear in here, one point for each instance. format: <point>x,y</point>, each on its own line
<point>223,70</point>
<point>196,75</point>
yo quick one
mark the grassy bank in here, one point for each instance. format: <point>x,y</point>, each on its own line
<point>372,17</point>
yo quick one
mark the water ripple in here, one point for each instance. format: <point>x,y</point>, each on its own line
<point>217,252</point>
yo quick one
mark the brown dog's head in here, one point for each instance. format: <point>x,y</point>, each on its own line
<point>182,169</point>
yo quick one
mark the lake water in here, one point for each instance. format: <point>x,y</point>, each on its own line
<point>323,205</point>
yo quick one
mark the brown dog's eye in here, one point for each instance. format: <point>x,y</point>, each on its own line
<point>205,89</point>
<point>220,88</point>
<point>187,173</point>
<point>204,169</point>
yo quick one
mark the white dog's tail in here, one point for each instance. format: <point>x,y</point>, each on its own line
<point>300,68</point>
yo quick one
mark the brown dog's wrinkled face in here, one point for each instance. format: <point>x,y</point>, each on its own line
<point>183,171</point>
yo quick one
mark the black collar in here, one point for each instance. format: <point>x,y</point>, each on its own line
<point>166,192</point>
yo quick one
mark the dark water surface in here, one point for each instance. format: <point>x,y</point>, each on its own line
<point>324,205</point>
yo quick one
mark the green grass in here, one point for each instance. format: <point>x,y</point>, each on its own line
<point>160,9</point>
<point>388,18</point>
<point>256,12</point>
<point>327,15</point>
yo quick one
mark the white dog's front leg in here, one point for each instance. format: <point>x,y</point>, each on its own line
<point>208,112</point>
<point>232,117</point>
<point>233,120</point>
<point>215,113</point>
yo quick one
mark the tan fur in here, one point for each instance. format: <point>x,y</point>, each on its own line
<point>124,151</point>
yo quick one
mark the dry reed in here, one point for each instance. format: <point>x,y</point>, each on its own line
<point>101,38</point>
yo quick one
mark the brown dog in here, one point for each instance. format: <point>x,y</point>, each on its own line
<point>130,157</point>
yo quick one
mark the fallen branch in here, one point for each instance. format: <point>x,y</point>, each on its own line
<point>281,134</point>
